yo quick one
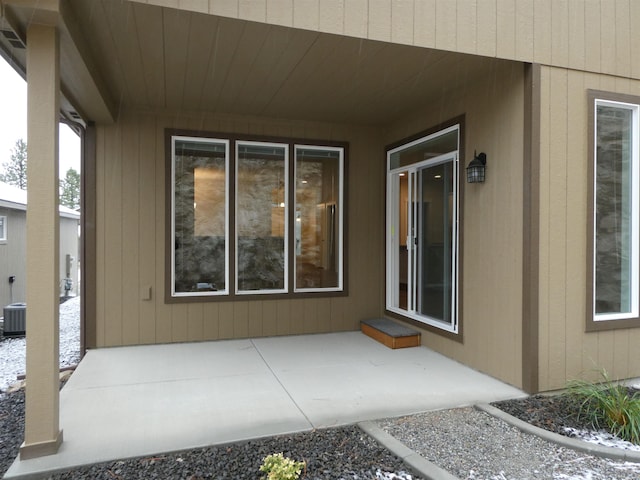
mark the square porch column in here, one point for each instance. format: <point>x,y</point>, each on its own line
<point>42,434</point>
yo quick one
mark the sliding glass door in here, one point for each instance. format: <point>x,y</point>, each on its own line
<point>422,236</point>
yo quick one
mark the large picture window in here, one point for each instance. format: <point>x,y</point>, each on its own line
<point>615,210</point>
<point>255,217</point>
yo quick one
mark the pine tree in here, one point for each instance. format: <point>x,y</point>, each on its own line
<point>70,190</point>
<point>14,172</point>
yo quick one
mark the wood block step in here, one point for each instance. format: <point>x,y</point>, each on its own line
<point>390,333</point>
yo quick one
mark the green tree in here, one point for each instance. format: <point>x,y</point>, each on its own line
<point>70,190</point>
<point>14,172</point>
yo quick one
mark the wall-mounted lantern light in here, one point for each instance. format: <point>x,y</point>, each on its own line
<point>476,168</point>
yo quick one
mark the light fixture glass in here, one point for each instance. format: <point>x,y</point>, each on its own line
<point>476,168</point>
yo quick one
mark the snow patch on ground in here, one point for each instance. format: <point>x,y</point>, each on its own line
<point>601,437</point>
<point>380,475</point>
<point>588,474</point>
<point>12,350</point>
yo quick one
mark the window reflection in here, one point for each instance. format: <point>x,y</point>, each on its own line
<point>317,218</point>
<point>200,212</point>
<point>260,216</point>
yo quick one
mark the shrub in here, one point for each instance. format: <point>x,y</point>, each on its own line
<point>279,467</point>
<point>608,405</point>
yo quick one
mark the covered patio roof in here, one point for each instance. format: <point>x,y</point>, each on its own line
<point>130,55</point>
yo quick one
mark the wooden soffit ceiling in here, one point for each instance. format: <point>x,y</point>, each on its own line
<point>160,58</point>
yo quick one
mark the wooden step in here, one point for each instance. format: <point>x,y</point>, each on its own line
<point>390,333</point>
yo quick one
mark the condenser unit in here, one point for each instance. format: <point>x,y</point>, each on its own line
<point>15,319</point>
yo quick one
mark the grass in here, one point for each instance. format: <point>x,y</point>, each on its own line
<point>608,405</point>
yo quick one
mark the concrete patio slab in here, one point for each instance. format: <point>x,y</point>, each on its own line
<point>144,400</point>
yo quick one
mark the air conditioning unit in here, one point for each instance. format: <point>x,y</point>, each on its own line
<point>15,319</point>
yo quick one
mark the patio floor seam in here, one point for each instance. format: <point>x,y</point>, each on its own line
<point>275,375</point>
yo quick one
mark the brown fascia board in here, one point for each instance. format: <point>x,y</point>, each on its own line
<point>92,101</point>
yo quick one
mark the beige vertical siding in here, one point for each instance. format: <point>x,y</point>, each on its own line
<point>566,351</point>
<point>492,225</point>
<point>131,231</point>
<point>594,35</point>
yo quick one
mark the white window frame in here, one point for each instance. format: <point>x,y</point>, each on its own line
<point>392,237</point>
<point>340,150</point>
<point>238,144</point>
<point>635,230</point>
<point>3,230</point>
<point>217,141</point>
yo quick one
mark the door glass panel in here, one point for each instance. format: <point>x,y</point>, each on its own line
<point>261,210</point>
<point>435,233</point>
<point>424,150</point>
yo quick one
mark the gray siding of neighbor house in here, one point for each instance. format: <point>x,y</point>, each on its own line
<point>13,255</point>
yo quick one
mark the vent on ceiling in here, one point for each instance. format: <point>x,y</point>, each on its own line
<point>73,114</point>
<point>13,39</point>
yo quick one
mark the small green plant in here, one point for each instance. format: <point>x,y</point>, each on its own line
<point>279,467</point>
<point>608,405</point>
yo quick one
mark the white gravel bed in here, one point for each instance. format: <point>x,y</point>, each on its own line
<point>12,350</point>
<point>473,445</point>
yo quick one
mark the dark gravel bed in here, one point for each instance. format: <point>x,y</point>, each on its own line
<point>336,453</point>
<point>11,427</point>
<point>551,412</point>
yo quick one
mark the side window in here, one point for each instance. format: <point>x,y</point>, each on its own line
<point>261,208</point>
<point>200,202</point>
<point>318,218</point>
<point>3,228</point>
<point>615,219</point>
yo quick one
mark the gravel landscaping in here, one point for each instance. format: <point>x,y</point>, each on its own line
<point>473,445</point>
<point>337,453</point>
<point>470,444</point>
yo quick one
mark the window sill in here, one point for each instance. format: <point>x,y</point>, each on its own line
<point>604,325</point>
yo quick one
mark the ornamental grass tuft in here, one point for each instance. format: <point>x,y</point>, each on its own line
<point>609,406</point>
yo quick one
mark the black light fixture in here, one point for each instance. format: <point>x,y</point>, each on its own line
<point>476,168</point>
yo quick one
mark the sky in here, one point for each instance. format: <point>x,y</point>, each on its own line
<point>13,121</point>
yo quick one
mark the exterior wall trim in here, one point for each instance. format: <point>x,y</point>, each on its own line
<point>88,253</point>
<point>531,230</point>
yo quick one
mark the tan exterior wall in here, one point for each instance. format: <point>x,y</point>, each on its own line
<point>566,350</point>
<point>131,223</point>
<point>591,35</point>
<point>130,246</point>
<point>492,225</point>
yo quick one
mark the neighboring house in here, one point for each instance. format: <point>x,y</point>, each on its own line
<point>256,168</point>
<point>13,246</point>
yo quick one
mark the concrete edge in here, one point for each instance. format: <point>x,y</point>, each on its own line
<point>417,464</point>
<point>572,443</point>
